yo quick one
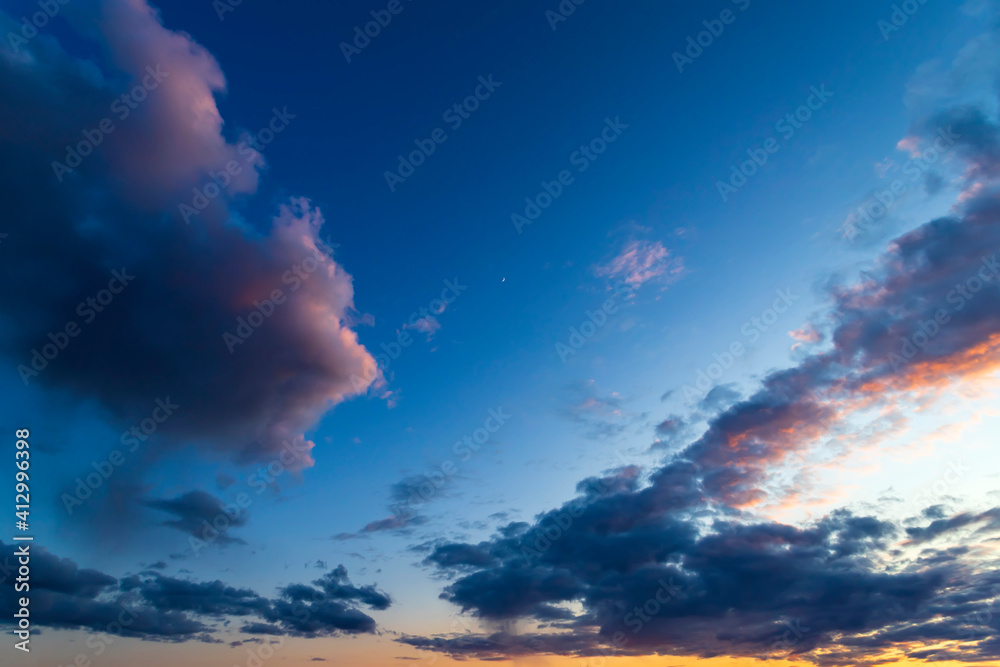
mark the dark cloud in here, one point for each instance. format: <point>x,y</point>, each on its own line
<point>407,497</point>
<point>941,526</point>
<point>718,397</point>
<point>618,480</point>
<point>336,585</point>
<point>202,516</point>
<point>977,138</point>
<point>223,481</point>
<point>670,426</point>
<point>314,618</point>
<point>66,597</point>
<point>402,520</point>
<point>933,183</point>
<point>732,590</point>
<point>61,575</point>
<point>209,598</point>
<point>452,556</point>
<point>157,607</point>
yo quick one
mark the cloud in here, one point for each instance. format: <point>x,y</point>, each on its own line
<point>201,515</point>
<point>212,598</point>
<point>336,585</point>
<point>602,415</point>
<point>731,590</point>
<point>942,526</point>
<point>925,317</point>
<point>429,325</point>
<point>322,609</point>
<point>67,597</point>
<point>156,607</point>
<point>399,521</point>
<point>640,262</point>
<point>618,480</point>
<point>118,210</point>
<point>807,334</point>
<point>407,497</point>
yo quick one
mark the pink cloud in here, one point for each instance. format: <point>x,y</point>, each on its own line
<point>174,137</point>
<point>248,397</point>
<point>640,262</point>
<point>429,325</point>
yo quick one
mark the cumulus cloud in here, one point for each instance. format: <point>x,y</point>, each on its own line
<point>651,582</point>
<point>118,209</point>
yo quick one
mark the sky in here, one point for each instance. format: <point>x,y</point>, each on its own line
<point>539,332</point>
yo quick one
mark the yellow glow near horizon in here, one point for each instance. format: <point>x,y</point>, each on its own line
<point>369,651</point>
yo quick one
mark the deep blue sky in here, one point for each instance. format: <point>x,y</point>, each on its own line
<point>712,265</point>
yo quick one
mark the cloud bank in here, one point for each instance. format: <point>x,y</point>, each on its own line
<point>156,607</point>
<point>681,565</point>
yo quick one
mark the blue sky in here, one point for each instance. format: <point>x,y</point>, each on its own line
<point>646,211</point>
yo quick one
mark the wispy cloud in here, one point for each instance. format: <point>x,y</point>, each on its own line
<point>641,262</point>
